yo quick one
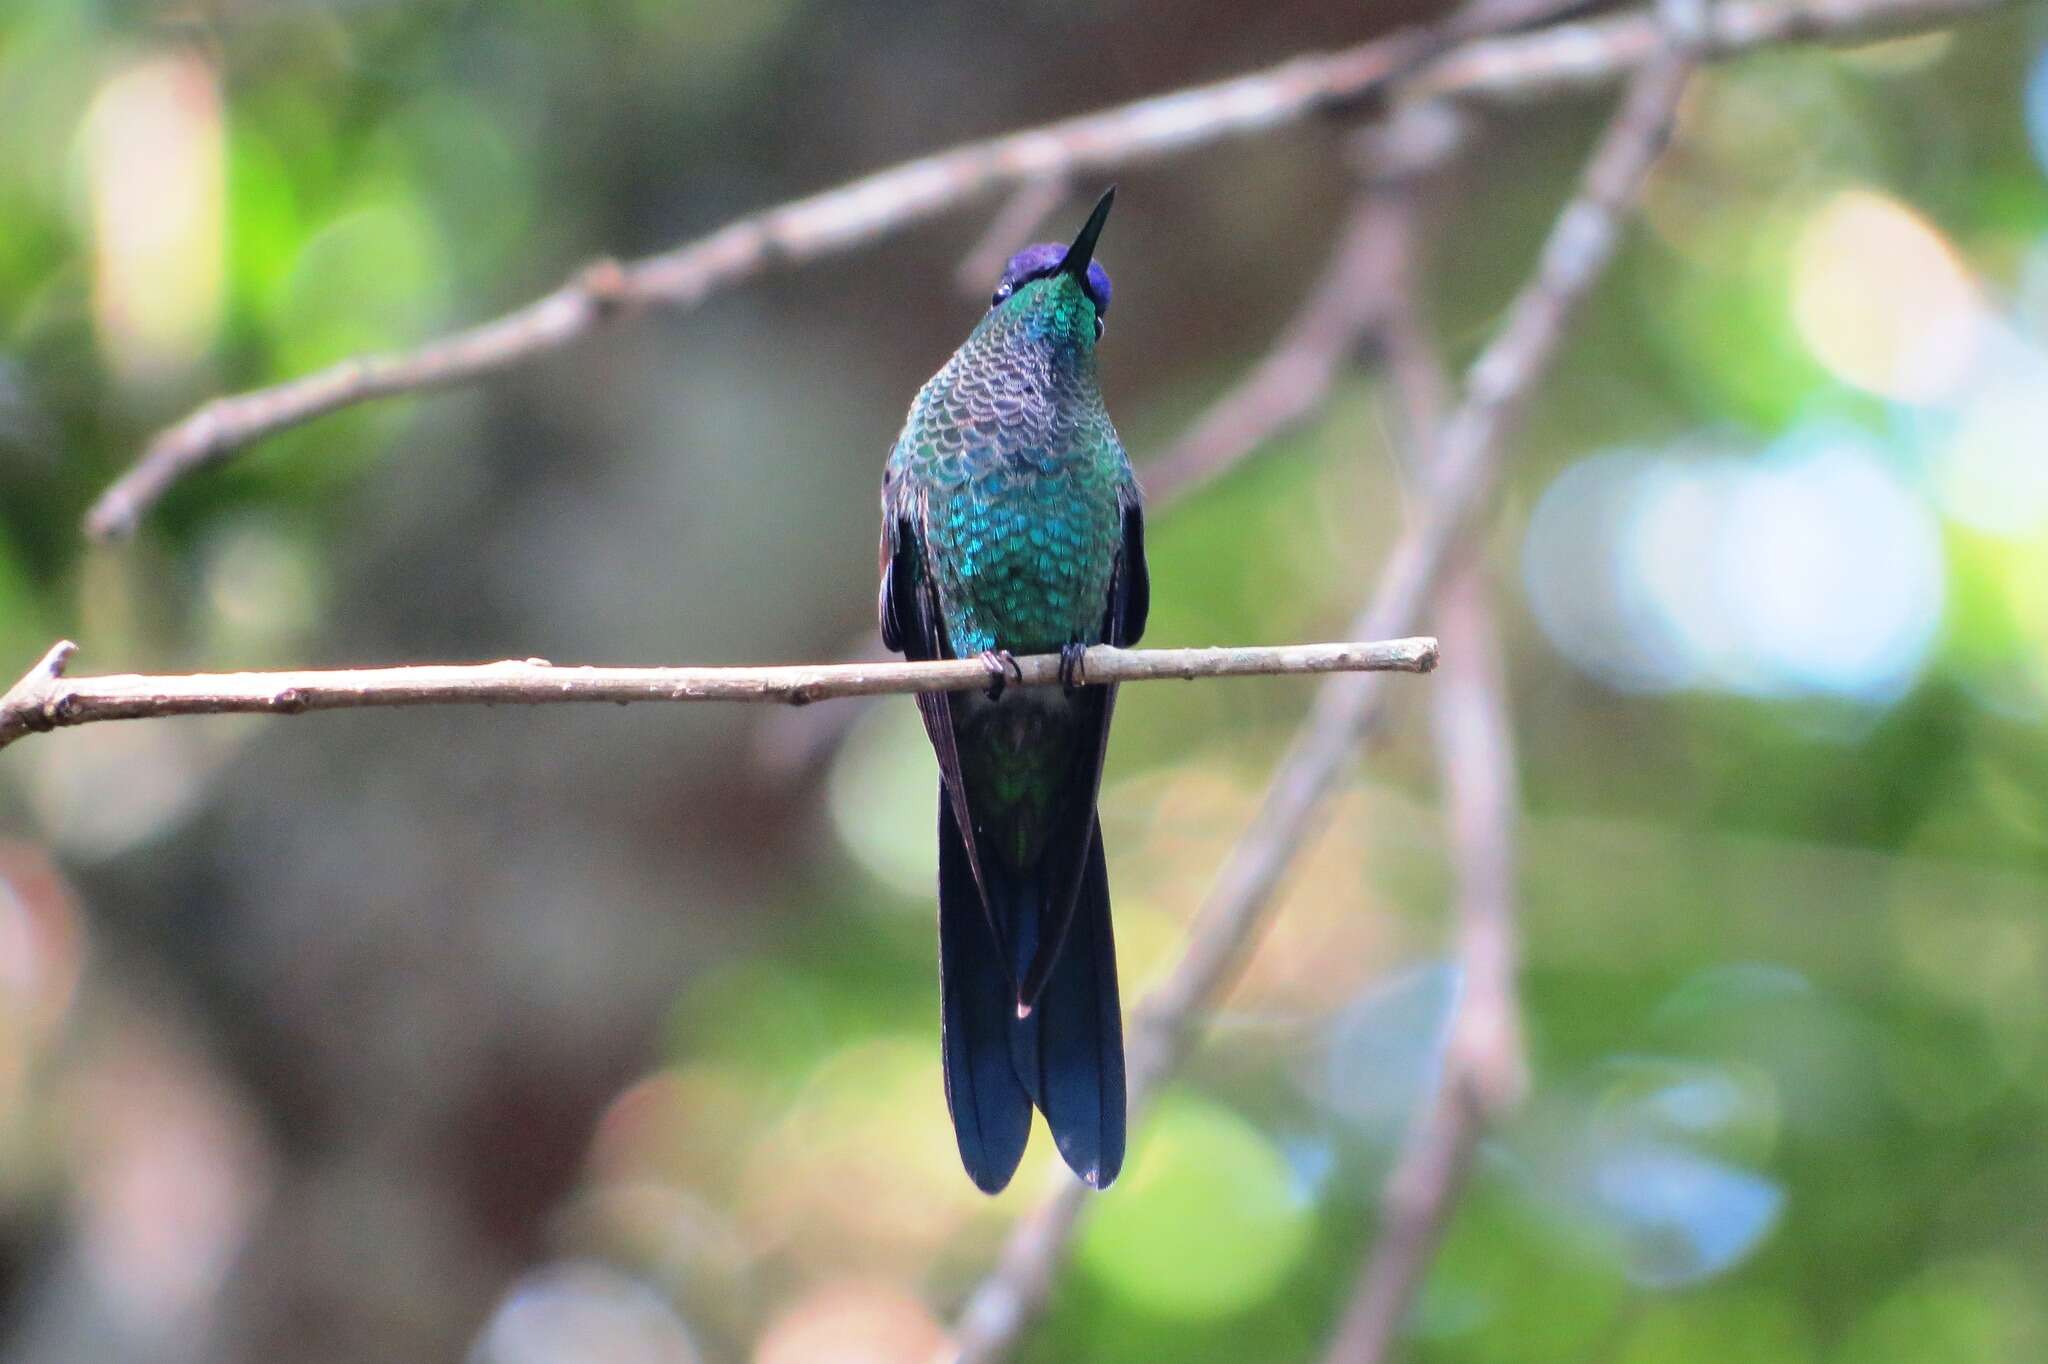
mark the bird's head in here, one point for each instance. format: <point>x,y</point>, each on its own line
<point>1073,266</point>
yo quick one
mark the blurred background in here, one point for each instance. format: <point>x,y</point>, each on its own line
<point>611,1034</point>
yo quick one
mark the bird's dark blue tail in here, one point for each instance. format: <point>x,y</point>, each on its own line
<point>1066,1055</point>
<point>1080,1045</point>
<point>991,1110</point>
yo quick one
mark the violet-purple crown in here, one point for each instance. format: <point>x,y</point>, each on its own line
<point>1036,262</point>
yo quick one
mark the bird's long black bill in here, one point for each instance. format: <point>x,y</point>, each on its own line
<point>1082,251</point>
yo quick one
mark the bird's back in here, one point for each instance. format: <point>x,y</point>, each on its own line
<point>1019,471</point>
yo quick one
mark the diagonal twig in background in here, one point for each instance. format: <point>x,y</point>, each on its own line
<point>1343,313</point>
<point>864,210</point>
<point>1483,1070</point>
<point>1013,227</point>
<point>1485,1066</point>
<point>1455,486</point>
<point>1292,382</point>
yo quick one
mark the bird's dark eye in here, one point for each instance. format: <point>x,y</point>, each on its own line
<point>1099,325</point>
<point>1003,291</point>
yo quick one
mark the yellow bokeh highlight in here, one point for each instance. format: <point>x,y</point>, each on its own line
<point>861,1172</point>
<point>854,1321</point>
<point>1882,300</point>
<point>155,157</point>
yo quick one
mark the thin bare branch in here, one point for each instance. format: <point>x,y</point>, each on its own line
<point>863,210</point>
<point>1485,1067</point>
<point>1293,381</point>
<point>1008,232</point>
<point>1341,314</point>
<point>1475,744</point>
<point>1459,479</point>
<point>1427,1177</point>
<point>834,221</point>
<point>1485,1071</point>
<point>45,699</point>
<point>1600,51</point>
<point>22,708</point>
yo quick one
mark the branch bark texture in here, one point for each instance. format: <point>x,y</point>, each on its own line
<point>45,699</point>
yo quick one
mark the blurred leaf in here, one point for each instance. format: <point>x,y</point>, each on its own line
<point>265,228</point>
<point>1206,1221</point>
<point>1727,331</point>
<point>754,1015</point>
<point>368,280</point>
<point>883,790</point>
<point>24,631</point>
<point>1986,1312</point>
<point>468,166</point>
<point>1507,1289</point>
<point>1753,1328</point>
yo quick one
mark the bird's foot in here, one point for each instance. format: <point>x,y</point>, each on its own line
<point>1073,667</point>
<point>1001,663</point>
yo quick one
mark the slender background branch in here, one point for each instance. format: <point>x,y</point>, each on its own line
<point>792,234</point>
<point>45,699</point>
<point>1485,1067</point>
<point>1343,313</point>
<point>1484,1070</point>
<point>1293,381</point>
<point>1008,232</point>
<point>863,210</point>
<point>1598,52</point>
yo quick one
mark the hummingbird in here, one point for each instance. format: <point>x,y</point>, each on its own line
<point>1012,524</point>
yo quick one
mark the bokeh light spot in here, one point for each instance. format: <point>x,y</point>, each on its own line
<point>1729,1109</point>
<point>156,162</point>
<point>853,1321</point>
<point>861,1172</point>
<point>1386,1049</point>
<point>1680,1218</point>
<point>1598,616</point>
<point>1208,1219</point>
<point>1811,569</point>
<point>1882,299</point>
<point>583,1311</point>
<point>2036,105</point>
<point>884,796</point>
<point>1989,472</point>
<point>1835,566</point>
